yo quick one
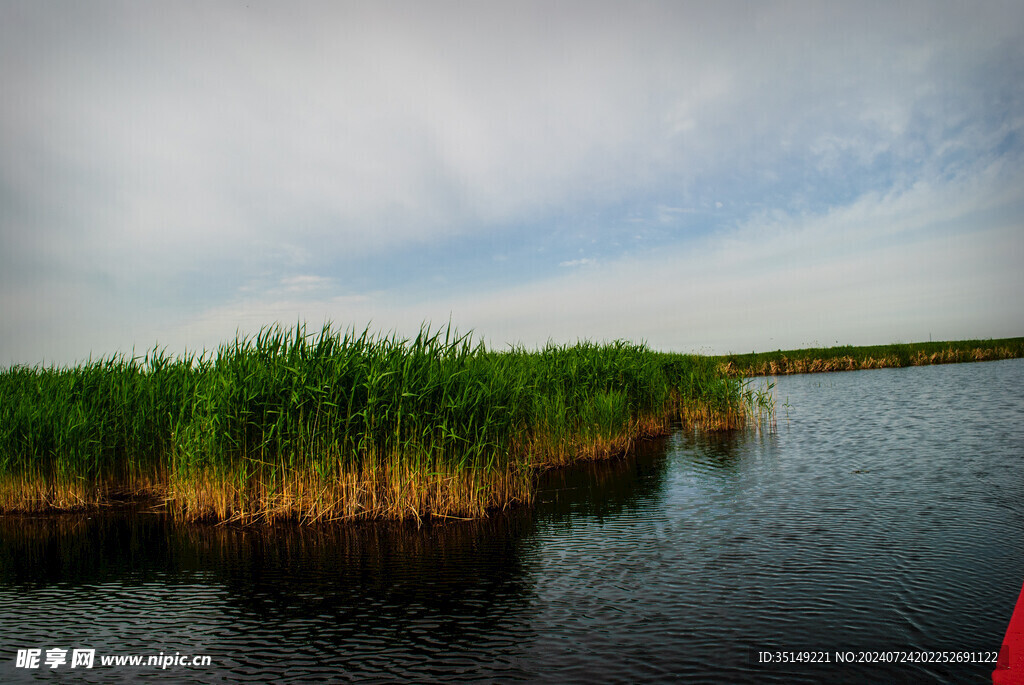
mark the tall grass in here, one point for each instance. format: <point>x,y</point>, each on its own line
<point>849,358</point>
<point>340,424</point>
<point>84,434</point>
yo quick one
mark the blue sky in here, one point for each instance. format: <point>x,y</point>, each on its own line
<point>706,177</point>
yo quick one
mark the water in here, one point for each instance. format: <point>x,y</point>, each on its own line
<point>884,514</point>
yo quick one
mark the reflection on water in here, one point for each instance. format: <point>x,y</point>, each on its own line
<point>713,453</point>
<point>360,599</point>
<point>885,513</point>
<point>602,488</point>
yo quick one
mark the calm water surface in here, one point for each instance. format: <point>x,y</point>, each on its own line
<point>885,513</point>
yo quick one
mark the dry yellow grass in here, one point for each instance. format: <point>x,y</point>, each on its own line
<point>784,364</point>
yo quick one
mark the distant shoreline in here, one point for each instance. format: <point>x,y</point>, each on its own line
<point>850,358</point>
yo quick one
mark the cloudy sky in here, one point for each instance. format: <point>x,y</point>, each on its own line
<point>705,176</point>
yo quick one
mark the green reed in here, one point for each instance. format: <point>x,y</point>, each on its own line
<point>340,424</point>
<point>848,358</point>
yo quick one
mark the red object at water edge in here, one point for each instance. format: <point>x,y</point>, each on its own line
<point>1010,667</point>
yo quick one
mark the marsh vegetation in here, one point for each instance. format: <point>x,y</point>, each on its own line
<point>849,358</point>
<point>342,425</point>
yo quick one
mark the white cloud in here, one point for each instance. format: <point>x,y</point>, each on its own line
<point>306,283</point>
<point>162,166</point>
<point>577,262</point>
<point>754,288</point>
<point>883,269</point>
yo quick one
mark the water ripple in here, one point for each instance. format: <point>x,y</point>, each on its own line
<point>884,514</point>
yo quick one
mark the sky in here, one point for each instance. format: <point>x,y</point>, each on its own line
<point>703,177</point>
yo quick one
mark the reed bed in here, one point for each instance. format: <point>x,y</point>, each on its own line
<point>341,425</point>
<point>847,358</point>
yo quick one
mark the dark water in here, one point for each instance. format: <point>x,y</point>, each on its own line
<point>885,514</point>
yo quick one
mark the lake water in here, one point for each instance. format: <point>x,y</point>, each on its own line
<point>885,513</point>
